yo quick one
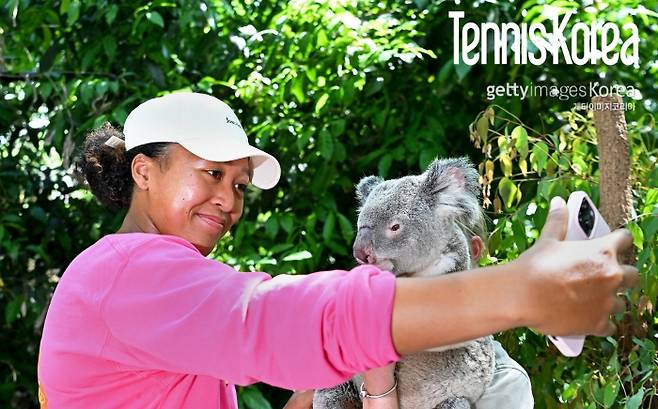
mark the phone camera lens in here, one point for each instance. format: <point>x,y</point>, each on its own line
<point>586,217</point>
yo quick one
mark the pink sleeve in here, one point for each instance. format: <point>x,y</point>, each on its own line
<point>184,313</point>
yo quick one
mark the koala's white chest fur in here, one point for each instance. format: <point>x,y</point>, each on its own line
<point>444,264</point>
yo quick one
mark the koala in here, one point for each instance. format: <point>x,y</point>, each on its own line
<point>421,226</point>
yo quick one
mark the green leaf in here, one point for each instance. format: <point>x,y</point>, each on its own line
<point>539,157</point>
<point>155,18</point>
<point>643,257</point>
<point>111,13</point>
<point>13,6</point>
<point>462,70</point>
<point>637,233</point>
<point>506,165</point>
<point>426,157</point>
<point>385,56</point>
<point>329,224</point>
<point>119,115</point>
<point>374,86</point>
<point>12,310</point>
<point>610,393</point>
<point>482,127</point>
<point>64,6</point>
<point>286,222</point>
<point>520,138</point>
<point>298,256</point>
<point>326,144</point>
<point>384,165</point>
<point>338,127</point>
<point>322,39</point>
<point>635,401</point>
<point>45,89</point>
<point>444,74</point>
<point>297,89</point>
<point>346,228</point>
<point>281,247</point>
<point>101,87</point>
<point>340,154</point>
<point>86,92</point>
<point>347,91</point>
<point>507,191</point>
<point>311,74</point>
<point>519,234</point>
<point>110,46</point>
<point>271,227</point>
<point>89,56</point>
<point>254,399</point>
<point>321,103</point>
<point>73,12</point>
<point>651,227</point>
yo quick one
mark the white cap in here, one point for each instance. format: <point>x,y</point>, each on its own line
<point>203,125</point>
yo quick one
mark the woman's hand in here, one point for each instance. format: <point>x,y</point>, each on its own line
<point>572,286</point>
<point>300,400</point>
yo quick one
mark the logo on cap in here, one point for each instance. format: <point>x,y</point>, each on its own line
<point>230,121</point>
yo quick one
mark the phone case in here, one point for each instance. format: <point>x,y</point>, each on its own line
<point>573,345</point>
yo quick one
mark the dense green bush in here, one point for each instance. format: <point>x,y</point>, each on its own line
<point>335,90</point>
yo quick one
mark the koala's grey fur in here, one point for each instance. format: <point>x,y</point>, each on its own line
<point>437,213</point>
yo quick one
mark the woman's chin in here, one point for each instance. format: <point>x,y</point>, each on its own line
<point>203,248</point>
<point>205,243</point>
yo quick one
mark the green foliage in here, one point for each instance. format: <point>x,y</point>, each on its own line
<point>336,90</point>
<point>619,371</point>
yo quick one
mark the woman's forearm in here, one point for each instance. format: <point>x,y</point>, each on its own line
<point>436,311</point>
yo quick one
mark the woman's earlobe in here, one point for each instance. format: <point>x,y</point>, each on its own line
<point>140,169</point>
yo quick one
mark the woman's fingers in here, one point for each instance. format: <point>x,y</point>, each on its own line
<point>619,306</point>
<point>631,277</point>
<point>557,220</point>
<point>607,329</point>
<point>619,241</point>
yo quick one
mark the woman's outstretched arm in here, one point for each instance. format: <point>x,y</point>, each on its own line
<point>557,287</point>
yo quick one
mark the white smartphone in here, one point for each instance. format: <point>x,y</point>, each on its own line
<point>585,222</point>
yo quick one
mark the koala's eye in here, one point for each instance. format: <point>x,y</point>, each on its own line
<point>395,227</point>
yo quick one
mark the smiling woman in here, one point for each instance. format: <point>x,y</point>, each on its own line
<point>165,186</point>
<point>143,319</point>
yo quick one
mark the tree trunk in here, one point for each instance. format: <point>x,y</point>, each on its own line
<point>615,202</point>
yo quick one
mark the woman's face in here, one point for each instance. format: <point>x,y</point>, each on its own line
<point>196,199</point>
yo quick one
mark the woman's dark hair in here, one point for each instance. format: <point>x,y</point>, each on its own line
<point>107,167</point>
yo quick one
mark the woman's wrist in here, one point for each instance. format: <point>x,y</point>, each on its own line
<point>514,300</point>
<point>379,380</point>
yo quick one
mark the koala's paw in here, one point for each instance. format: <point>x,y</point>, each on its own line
<point>343,396</point>
<point>454,403</point>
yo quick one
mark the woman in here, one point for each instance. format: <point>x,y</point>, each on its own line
<point>143,319</point>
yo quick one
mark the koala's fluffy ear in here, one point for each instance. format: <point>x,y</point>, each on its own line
<point>365,186</point>
<point>457,175</point>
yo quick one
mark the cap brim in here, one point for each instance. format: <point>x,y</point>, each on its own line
<point>267,170</point>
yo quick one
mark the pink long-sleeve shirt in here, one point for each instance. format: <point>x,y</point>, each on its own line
<point>146,321</point>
